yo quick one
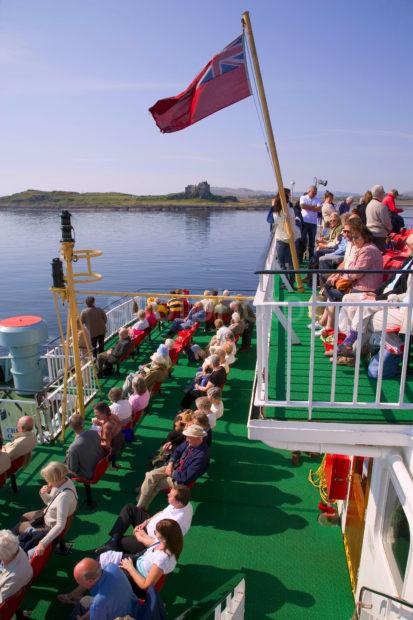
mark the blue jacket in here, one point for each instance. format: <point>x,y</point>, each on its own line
<point>195,465</point>
<point>196,316</point>
<point>341,248</point>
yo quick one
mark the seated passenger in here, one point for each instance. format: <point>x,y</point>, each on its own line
<point>140,396</point>
<point>85,451</point>
<point>111,436</point>
<point>217,378</point>
<point>106,359</point>
<point>145,570</point>
<point>5,462</point>
<point>60,496</point>
<point>112,594</point>
<point>237,325</point>
<point>15,568</point>
<point>150,315</point>
<point>394,289</point>
<point>142,322</point>
<point>230,349</point>
<point>23,442</point>
<point>222,311</point>
<point>157,371</point>
<point>179,509</point>
<point>325,246</point>
<point>334,257</point>
<point>222,356</point>
<point>175,307</point>
<point>120,406</point>
<point>188,461</point>
<point>208,303</point>
<point>197,314</point>
<point>367,256</point>
<point>203,405</point>
<point>201,419</point>
<point>173,438</point>
<point>215,398</point>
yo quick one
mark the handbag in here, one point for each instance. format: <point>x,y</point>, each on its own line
<point>391,366</point>
<point>343,284</point>
<point>38,520</point>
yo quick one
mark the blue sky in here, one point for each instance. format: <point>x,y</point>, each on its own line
<point>77,78</point>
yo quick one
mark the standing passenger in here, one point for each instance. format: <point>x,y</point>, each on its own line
<point>310,206</point>
<point>95,320</point>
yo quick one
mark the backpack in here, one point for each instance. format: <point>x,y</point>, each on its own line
<point>390,365</point>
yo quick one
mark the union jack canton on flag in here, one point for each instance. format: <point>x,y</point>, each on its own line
<point>222,82</point>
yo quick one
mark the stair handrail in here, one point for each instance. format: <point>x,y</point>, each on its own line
<point>361,605</point>
<point>204,609</point>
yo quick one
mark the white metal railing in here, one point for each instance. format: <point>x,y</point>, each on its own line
<point>232,607</point>
<point>118,316</point>
<point>289,314</point>
<point>47,414</point>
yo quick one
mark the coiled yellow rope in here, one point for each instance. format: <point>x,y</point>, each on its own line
<point>318,480</point>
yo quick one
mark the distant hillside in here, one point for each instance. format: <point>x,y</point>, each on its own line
<point>240,192</point>
<point>33,198</point>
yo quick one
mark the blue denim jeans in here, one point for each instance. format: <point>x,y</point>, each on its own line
<point>310,231</point>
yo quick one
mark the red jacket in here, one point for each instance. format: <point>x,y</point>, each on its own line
<point>391,205</point>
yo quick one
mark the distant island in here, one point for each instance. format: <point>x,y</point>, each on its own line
<point>197,196</point>
<point>194,196</point>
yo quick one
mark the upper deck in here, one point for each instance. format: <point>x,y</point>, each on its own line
<point>303,399</point>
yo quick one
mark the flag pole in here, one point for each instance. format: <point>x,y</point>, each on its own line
<point>271,143</point>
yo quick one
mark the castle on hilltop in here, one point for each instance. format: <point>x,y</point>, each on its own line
<point>202,190</point>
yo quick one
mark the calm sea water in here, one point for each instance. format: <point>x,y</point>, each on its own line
<point>147,251</point>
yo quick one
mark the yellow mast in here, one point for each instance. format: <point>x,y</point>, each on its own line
<point>64,287</point>
<point>271,142</point>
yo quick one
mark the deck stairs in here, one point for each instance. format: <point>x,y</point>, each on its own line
<point>374,605</point>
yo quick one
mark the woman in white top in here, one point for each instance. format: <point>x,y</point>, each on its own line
<point>120,406</point>
<point>142,323</point>
<point>215,398</point>
<point>159,559</point>
<point>281,232</point>
<point>60,496</point>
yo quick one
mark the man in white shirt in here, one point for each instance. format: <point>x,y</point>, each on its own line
<point>310,206</point>
<point>179,509</point>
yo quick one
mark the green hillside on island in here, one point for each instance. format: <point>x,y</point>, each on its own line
<point>193,196</point>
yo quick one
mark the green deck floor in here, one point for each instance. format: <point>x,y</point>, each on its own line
<point>255,514</point>
<point>300,363</point>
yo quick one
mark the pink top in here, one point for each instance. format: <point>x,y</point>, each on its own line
<point>367,257</point>
<point>139,402</point>
<point>151,318</point>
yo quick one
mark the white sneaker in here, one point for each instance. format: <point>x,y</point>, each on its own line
<point>317,326</point>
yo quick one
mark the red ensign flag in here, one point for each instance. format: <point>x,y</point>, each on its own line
<point>222,82</point>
